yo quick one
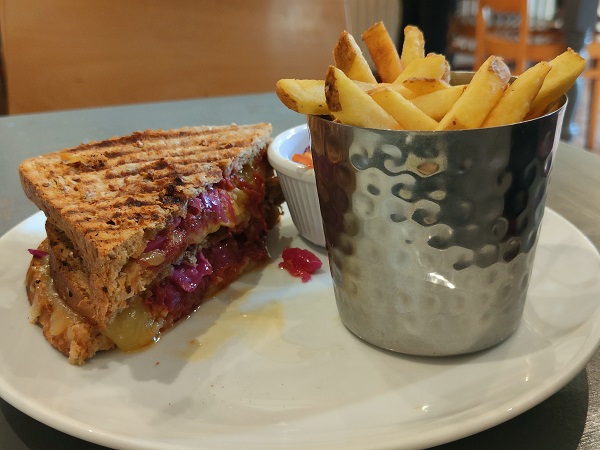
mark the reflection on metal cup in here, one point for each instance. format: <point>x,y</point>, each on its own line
<point>431,235</point>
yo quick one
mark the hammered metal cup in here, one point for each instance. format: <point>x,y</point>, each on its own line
<point>431,236</point>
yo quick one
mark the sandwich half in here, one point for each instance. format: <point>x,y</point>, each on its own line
<point>142,228</point>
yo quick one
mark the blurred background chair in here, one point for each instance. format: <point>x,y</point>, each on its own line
<point>65,54</point>
<point>461,35</point>
<point>506,28</point>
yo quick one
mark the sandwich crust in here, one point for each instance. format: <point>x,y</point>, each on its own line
<point>62,327</point>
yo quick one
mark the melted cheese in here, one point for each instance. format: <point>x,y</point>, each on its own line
<point>134,328</point>
<point>42,287</point>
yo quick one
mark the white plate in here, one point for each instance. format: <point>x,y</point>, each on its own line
<point>277,369</point>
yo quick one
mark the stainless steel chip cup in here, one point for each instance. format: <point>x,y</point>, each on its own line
<point>431,236</point>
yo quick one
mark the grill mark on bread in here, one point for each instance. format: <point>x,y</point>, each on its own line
<point>127,183</point>
<point>146,159</point>
<point>165,169</point>
<point>141,142</point>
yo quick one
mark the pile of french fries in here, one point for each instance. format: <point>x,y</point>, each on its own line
<point>413,91</point>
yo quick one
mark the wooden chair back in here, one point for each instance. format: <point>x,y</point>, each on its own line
<point>515,42</point>
<point>65,54</point>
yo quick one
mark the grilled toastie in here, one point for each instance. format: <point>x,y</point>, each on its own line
<point>142,228</point>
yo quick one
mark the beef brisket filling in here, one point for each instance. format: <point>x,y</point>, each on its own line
<point>177,295</point>
<point>217,247</point>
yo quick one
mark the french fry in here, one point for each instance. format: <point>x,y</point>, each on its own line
<point>400,89</point>
<point>308,96</point>
<point>566,67</point>
<point>553,107</point>
<point>348,57</point>
<point>366,86</point>
<point>422,86</point>
<point>432,66</point>
<point>413,46</point>
<point>420,96</point>
<point>383,52</point>
<point>348,103</point>
<point>516,101</point>
<point>437,104</point>
<point>480,96</point>
<point>303,96</point>
<point>402,110</point>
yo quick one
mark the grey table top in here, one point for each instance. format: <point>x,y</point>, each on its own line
<point>567,420</point>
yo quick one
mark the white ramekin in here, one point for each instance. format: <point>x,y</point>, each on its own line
<point>298,182</point>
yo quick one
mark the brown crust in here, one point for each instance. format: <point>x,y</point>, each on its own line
<point>331,93</point>
<point>70,278</point>
<point>62,328</point>
<point>345,51</point>
<point>110,198</point>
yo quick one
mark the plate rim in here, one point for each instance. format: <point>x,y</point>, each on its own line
<point>94,434</point>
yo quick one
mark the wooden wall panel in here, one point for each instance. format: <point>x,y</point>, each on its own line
<point>64,54</point>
